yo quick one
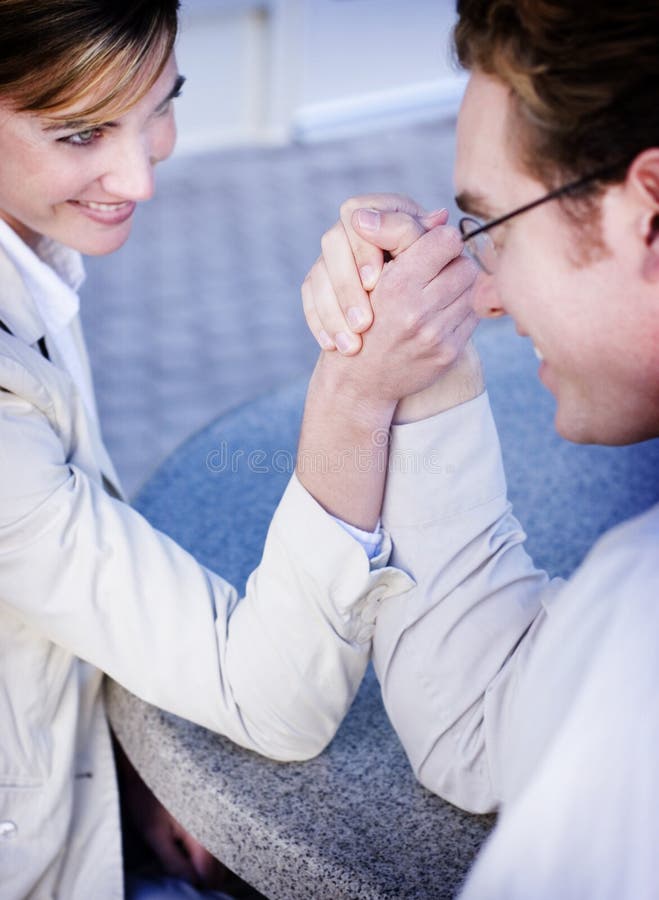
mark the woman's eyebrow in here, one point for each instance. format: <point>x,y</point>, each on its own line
<point>73,125</point>
<point>82,123</point>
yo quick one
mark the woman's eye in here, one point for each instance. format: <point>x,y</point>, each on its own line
<point>82,138</point>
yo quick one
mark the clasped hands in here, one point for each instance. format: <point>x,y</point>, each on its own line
<point>389,297</point>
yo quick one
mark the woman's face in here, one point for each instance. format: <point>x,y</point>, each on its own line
<point>77,183</point>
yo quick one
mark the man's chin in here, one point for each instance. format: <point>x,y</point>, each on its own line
<point>575,425</point>
<point>607,430</point>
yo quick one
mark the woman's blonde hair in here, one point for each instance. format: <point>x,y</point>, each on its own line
<point>54,53</point>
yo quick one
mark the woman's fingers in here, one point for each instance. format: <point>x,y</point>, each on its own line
<point>352,300</point>
<point>324,315</point>
<point>311,314</point>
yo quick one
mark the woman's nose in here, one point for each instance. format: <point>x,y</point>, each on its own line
<point>130,170</point>
<point>484,297</point>
<point>130,173</point>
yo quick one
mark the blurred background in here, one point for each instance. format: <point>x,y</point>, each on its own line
<point>290,107</point>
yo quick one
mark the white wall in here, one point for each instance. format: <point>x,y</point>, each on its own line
<point>278,70</point>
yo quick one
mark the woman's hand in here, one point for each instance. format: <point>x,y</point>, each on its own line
<point>336,292</point>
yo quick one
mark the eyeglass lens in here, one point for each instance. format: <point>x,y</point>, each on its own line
<point>480,247</point>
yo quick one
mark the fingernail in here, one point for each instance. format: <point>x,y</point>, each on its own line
<point>435,216</point>
<point>343,342</point>
<point>369,219</point>
<point>325,341</point>
<point>367,275</point>
<point>356,318</point>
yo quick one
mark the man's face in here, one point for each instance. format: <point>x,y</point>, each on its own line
<point>595,323</point>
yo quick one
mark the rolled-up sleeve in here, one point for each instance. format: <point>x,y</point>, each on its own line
<point>442,651</point>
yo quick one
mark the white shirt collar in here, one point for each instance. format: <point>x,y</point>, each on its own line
<point>52,276</point>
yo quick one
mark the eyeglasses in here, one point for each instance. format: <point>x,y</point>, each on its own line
<point>479,243</point>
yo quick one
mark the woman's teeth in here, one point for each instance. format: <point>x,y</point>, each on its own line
<point>102,207</point>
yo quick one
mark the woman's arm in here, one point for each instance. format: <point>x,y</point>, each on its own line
<point>275,671</point>
<point>422,322</point>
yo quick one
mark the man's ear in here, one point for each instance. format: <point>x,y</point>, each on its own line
<point>650,270</point>
<point>643,183</point>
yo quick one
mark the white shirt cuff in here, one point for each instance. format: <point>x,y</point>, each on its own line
<point>371,541</point>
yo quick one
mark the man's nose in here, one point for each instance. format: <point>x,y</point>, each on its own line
<point>484,297</point>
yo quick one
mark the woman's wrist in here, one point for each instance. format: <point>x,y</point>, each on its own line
<point>338,386</point>
<point>344,443</point>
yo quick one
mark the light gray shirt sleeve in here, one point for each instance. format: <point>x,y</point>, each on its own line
<point>443,651</point>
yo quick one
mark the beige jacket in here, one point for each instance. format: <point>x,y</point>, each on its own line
<point>88,586</point>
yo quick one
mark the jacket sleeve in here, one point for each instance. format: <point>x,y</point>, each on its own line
<point>275,671</point>
<point>448,654</point>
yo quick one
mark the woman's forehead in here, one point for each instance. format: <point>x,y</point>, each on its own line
<point>109,91</point>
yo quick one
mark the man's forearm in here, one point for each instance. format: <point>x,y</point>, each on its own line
<point>462,382</point>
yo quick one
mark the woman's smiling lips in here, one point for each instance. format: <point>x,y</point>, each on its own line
<point>105,213</point>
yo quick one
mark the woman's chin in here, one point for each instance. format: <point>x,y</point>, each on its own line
<point>99,243</point>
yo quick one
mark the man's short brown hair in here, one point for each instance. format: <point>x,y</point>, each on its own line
<point>584,77</point>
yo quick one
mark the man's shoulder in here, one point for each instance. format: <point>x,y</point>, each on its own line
<point>627,555</point>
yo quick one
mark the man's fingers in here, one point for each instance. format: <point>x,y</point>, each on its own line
<point>456,278</point>
<point>465,329</point>
<point>390,231</point>
<point>395,232</point>
<point>425,259</point>
<point>368,257</point>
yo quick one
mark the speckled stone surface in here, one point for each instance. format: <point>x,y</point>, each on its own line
<point>353,823</point>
